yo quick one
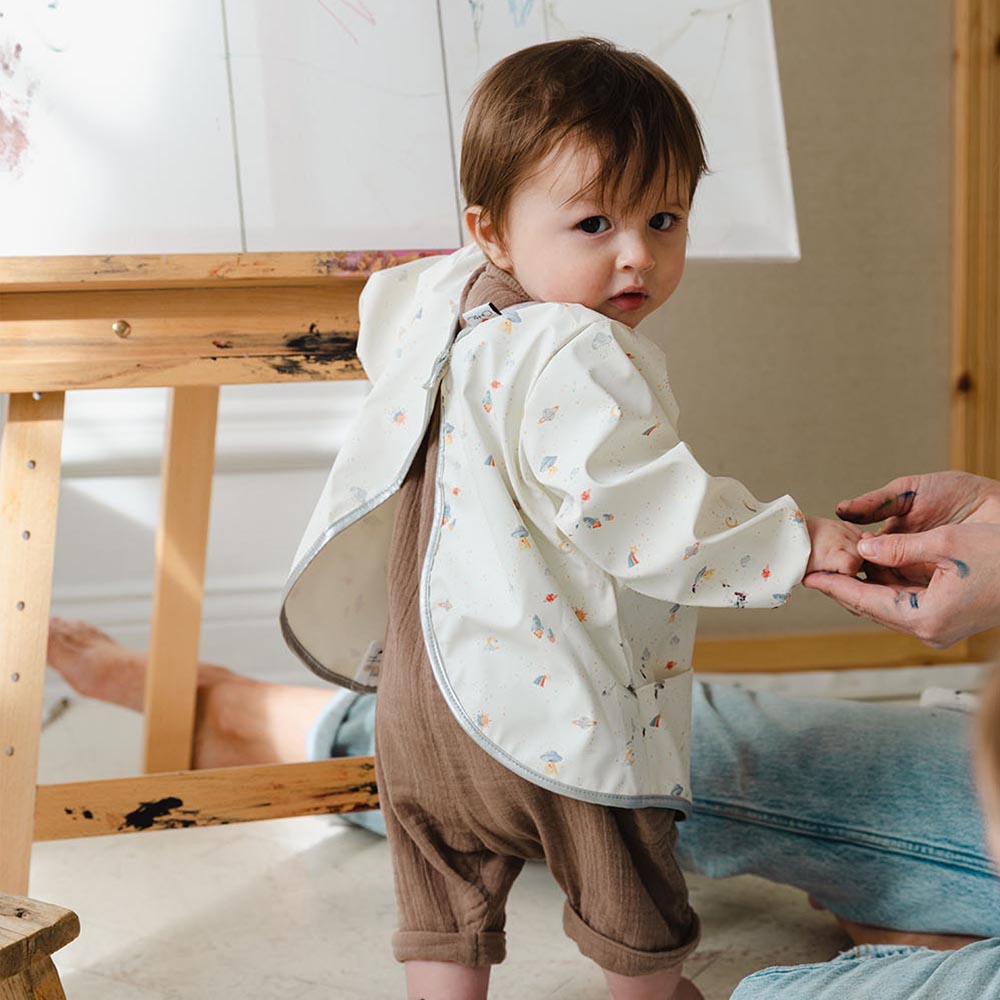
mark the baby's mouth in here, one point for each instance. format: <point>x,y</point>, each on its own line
<point>629,301</point>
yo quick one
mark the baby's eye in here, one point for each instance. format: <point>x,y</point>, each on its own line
<point>594,225</point>
<point>663,221</point>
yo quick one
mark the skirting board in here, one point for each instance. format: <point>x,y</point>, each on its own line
<point>896,684</point>
<point>819,651</point>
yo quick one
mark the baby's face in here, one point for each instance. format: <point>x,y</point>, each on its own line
<point>563,246</point>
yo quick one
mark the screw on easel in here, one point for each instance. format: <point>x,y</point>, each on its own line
<point>15,677</point>
<point>9,751</point>
<point>36,396</point>
<point>19,605</point>
<point>121,328</point>
<point>31,463</point>
<point>26,535</point>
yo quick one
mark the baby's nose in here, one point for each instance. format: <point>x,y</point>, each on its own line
<point>635,253</point>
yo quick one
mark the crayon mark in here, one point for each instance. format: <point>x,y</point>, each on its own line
<point>477,8</point>
<point>366,261</point>
<point>14,109</point>
<point>9,58</point>
<point>359,7</point>
<point>520,11</point>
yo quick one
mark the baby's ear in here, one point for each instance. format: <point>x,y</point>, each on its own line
<point>483,231</point>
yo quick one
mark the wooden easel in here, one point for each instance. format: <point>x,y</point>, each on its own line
<point>192,323</point>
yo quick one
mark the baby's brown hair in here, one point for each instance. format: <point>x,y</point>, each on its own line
<point>618,103</point>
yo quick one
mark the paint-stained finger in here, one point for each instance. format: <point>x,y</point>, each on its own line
<point>910,576</point>
<point>889,606</point>
<point>893,500</point>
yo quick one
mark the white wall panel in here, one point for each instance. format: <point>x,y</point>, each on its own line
<point>115,130</point>
<point>342,125</point>
<point>128,126</point>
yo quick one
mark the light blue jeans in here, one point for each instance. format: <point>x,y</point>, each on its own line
<point>869,808</point>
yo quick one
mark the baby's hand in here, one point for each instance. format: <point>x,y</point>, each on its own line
<point>834,546</point>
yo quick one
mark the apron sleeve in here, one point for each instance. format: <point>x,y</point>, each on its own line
<point>598,437</point>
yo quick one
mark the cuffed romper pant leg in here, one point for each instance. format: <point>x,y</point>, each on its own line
<point>627,903</point>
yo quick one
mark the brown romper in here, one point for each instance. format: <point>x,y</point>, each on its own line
<point>461,825</point>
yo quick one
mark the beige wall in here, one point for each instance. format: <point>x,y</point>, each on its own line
<point>828,377</point>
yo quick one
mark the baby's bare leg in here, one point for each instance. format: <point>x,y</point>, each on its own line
<point>668,984</point>
<point>446,981</point>
<point>238,720</point>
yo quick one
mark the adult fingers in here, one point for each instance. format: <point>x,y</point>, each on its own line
<point>895,499</point>
<point>922,612</point>
<point>903,576</point>
<point>894,608</point>
<point>919,551</point>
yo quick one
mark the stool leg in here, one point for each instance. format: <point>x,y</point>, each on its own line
<point>181,543</point>
<point>40,981</point>
<point>29,501</point>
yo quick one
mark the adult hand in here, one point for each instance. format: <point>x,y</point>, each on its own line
<point>917,503</point>
<point>934,571</point>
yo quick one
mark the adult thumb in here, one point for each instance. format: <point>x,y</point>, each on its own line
<point>897,549</point>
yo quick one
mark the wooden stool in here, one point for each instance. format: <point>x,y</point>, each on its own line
<point>29,933</point>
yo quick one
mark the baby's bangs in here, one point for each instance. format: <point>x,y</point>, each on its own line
<point>634,165</point>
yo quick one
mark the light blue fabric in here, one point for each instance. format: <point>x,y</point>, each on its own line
<point>869,808</point>
<point>883,972</point>
<point>347,729</point>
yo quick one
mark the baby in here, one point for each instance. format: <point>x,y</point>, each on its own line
<point>553,536</point>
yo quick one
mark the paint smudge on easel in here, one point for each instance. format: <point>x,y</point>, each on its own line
<point>311,352</point>
<point>149,813</point>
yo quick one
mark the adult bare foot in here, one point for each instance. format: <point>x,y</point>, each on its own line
<point>95,665</point>
<point>237,720</point>
<point>868,934</point>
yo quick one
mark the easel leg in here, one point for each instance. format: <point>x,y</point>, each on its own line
<point>181,542</point>
<point>29,501</point>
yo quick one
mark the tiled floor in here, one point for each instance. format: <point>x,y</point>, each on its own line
<point>303,908</point>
